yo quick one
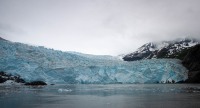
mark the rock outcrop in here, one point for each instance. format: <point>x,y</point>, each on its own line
<point>36,83</point>
<point>4,77</point>
<point>16,78</point>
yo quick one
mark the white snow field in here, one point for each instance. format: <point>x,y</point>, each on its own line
<point>57,67</point>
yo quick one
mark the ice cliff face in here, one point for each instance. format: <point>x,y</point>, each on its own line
<point>38,63</point>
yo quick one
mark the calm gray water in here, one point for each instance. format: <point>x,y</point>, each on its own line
<point>101,96</point>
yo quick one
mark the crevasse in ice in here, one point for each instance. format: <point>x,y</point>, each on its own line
<point>39,63</point>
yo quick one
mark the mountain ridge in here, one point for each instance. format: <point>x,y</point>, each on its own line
<point>164,49</point>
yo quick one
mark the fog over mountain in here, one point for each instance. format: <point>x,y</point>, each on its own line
<point>102,27</point>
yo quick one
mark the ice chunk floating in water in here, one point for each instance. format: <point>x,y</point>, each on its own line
<point>38,63</point>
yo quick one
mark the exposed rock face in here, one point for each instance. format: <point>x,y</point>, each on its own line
<point>192,62</point>
<point>4,77</point>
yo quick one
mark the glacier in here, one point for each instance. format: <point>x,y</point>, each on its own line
<point>56,67</point>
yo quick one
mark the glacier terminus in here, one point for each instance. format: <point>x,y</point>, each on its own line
<point>56,67</point>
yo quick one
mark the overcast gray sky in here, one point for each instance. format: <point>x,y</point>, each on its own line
<point>98,26</point>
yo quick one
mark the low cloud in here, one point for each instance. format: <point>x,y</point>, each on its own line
<point>98,26</point>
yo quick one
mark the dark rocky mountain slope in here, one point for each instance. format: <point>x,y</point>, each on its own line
<point>192,63</point>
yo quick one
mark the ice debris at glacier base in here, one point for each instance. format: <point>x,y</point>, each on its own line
<point>39,63</point>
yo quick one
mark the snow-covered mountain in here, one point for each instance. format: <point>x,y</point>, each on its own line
<point>165,49</point>
<point>52,66</point>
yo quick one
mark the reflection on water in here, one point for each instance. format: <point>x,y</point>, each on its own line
<point>101,96</point>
